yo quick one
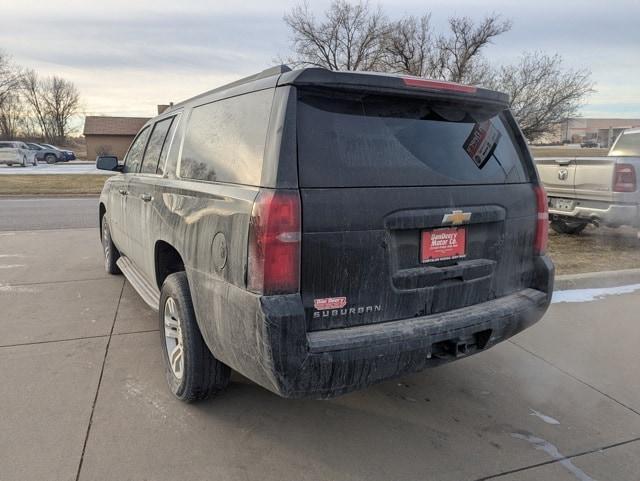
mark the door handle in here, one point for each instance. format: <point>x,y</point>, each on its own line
<point>123,191</point>
<point>146,197</point>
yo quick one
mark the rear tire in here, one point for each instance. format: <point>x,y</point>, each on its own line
<point>50,159</point>
<point>111,254</point>
<point>24,161</point>
<point>192,372</point>
<point>571,227</point>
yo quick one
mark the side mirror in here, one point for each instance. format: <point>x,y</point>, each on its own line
<point>107,162</point>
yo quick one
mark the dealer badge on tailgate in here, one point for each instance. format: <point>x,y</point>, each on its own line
<point>443,244</point>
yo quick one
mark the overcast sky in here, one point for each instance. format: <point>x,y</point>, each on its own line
<point>126,56</point>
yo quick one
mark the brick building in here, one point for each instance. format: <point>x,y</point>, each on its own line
<point>110,135</point>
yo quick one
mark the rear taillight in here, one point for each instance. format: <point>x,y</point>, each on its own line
<point>274,243</point>
<point>542,225</point>
<point>624,178</point>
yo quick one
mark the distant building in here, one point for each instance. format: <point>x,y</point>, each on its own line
<point>604,131</point>
<point>110,135</point>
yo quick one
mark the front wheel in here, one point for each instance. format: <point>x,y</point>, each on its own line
<point>192,372</point>
<point>50,159</point>
<point>571,227</point>
<point>24,161</point>
<point>111,254</point>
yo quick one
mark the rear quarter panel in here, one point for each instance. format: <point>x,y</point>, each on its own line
<point>208,224</point>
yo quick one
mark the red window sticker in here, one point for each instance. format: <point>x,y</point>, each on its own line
<point>482,142</point>
<point>443,244</point>
<point>329,303</point>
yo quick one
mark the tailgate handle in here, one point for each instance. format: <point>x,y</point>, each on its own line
<point>430,276</point>
<point>563,161</point>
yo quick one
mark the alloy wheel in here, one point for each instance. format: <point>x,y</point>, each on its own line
<point>173,337</point>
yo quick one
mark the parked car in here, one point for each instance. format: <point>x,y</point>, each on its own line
<point>68,154</point>
<point>594,190</point>
<point>322,231</point>
<point>16,153</point>
<point>589,144</point>
<point>48,153</point>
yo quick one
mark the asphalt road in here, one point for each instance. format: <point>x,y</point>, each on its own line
<point>17,213</point>
<point>83,393</point>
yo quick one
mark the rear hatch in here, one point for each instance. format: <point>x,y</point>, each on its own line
<point>584,178</point>
<point>558,176</point>
<point>7,152</point>
<point>410,206</point>
<point>594,178</point>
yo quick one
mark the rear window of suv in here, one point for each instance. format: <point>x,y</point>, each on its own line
<point>371,140</point>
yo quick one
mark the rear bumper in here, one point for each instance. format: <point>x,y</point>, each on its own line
<point>10,161</point>
<point>342,360</point>
<point>332,362</point>
<point>266,338</point>
<point>603,213</point>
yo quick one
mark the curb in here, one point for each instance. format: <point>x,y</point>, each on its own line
<point>597,279</point>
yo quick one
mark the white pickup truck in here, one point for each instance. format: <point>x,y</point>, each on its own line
<point>594,190</point>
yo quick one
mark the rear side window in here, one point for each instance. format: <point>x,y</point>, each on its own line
<point>134,155</point>
<point>156,144</point>
<point>370,140</point>
<point>627,145</point>
<point>225,140</point>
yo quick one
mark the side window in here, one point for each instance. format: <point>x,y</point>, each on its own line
<point>155,146</point>
<point>168,144</point>
<point>134,156</point>
<point>225,140</point>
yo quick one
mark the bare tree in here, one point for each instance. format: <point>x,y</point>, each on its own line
<point>62,101</point>
<point>33,95</point>
<point>9,76</point>
<point>459,52</point>
<point>357,37</point>
<point>408,46</point>
<point>542,93</point>
<point>53,101</point>
<point>349,38</point>
<point>11,115</point>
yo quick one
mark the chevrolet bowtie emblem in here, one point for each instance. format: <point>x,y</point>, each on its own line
<point>457,217</point>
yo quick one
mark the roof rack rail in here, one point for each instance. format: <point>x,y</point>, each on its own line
<point>270,72</point>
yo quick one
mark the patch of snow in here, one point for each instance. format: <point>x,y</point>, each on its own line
<point>11,266</point>
<point>588,295</point>
<point>17,289</point>
<point>543,445</point>
<point>60,168</point>
<point>544,417</point>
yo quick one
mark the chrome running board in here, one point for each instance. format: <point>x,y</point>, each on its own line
<point>149,293</point>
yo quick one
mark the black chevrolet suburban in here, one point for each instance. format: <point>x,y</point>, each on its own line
<point>321,231</point>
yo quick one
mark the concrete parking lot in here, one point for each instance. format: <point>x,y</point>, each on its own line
<point>83,393</point>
